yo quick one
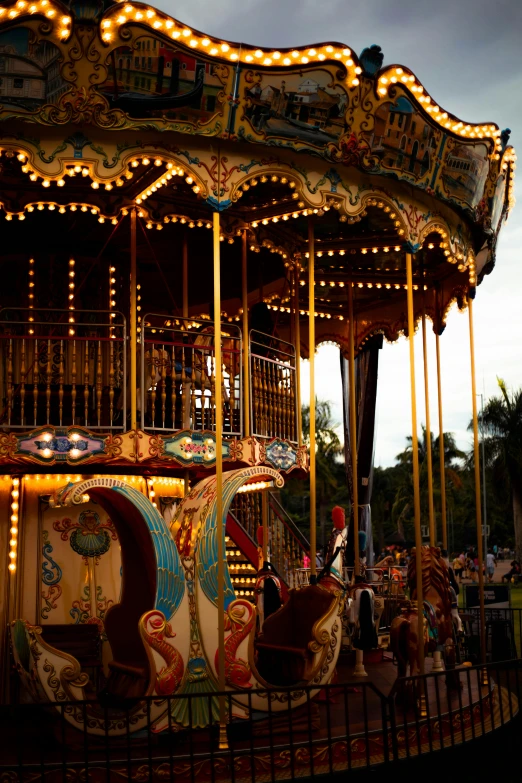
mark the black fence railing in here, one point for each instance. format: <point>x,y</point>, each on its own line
<point>503,632</point>
<point>341,728</point>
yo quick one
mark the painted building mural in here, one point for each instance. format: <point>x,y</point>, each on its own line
<point>465,170</point>
<point>151,78</point>
<point>308,106</point>
<point>29,70</point>
<point>402,139</point>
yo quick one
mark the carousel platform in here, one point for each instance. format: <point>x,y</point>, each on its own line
<point>352,724</point>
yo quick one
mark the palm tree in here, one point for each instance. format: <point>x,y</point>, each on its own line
<point>402,510</point>
<point>328,448</point>
<point>501,424</point>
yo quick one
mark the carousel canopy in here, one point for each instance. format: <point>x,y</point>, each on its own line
<point>106,107</point>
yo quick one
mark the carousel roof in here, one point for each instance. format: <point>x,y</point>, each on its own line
<point>107,106</point>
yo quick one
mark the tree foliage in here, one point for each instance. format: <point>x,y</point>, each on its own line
<point>392,494</point>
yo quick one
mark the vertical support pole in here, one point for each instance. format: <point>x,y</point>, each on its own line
<point>219,482</point>
<point>433,529</point>
<point>185,275</point>
<point>485,516</point>
<point>298,358</point>
<point>442,461</point>
<point>478,499</point>
<point>133,325</point>
<point>415,456</point>
<point>185,382</point>
<point>246,340</point>
<point>311,346</point>
<point>264,514</point>
<point>353,430</point>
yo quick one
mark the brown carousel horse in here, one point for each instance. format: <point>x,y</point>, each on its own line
<point>438,625</point>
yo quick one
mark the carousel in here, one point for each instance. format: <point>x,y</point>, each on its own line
<point>186,219</point>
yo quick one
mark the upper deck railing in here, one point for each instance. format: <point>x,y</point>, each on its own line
<point>178,375</point>
<point>67,368</point>
<point>273,387</point>
<point>60,372</point>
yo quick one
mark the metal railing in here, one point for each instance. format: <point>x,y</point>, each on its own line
<point>178,375</point>
<point>503,632</point>
<point>343,728</point>
<point>60,372</point>
<point>273,409</point>
<point>286,544</point>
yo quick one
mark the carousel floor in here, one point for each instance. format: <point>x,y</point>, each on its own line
<point>357,724</point>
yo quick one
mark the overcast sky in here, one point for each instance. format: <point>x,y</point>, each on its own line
<point>468,55</point>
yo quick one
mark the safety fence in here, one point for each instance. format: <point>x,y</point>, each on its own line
<point>503,632</point>
<point>287,546</point>
<point>340,728</point>
<point>273,393</point>
<point>178,375</point>
<point>63,368</point>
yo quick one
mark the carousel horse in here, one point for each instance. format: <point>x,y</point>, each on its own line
<point>361,615</point>
<point>163,632</point>
<point>437,612</point>
<point>331,575</point>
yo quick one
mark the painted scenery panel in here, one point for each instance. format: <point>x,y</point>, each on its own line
<point>497,202</point>
<point>464,172</point>
<point>150,78</point>
<point>402,139</point>
<point>29,71</point>
<point>307,106</point>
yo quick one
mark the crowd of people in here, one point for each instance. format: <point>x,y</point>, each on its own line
<point>465,565</point>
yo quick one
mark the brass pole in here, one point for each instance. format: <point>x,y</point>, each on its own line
<point>431,510</point>
<point>478,499</point>
<point>246,340</point>
<point>133,325</point>
<point>311,346</point>
<point>415,457</point>
<point>219,480</point>
<point>442,460</point>
<point>298,360</point>
<point>353,429</point>
<point>264,512</point>
<point>185,275</point>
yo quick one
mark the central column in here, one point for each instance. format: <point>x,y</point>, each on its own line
<point>433,530</point>
<point>478,500</point>
<point>297,337</point>
<point>415,458</point>
<point>311,347</point>
<point>246,340</point>
<point>133,327</point>
<point>353,431</point>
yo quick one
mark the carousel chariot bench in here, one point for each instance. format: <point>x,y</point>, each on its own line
<point>284,649</point>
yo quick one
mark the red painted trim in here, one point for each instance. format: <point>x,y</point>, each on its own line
<point>242,541</point>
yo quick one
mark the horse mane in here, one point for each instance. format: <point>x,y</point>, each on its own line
<point>434,572</point>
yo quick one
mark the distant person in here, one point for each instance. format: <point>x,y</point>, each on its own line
<point>490,565</point>
<point>514,572</point>
<point>451,574</point>
<point>458,569</point>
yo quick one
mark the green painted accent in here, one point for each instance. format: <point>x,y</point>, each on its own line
<point>21,643</point>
